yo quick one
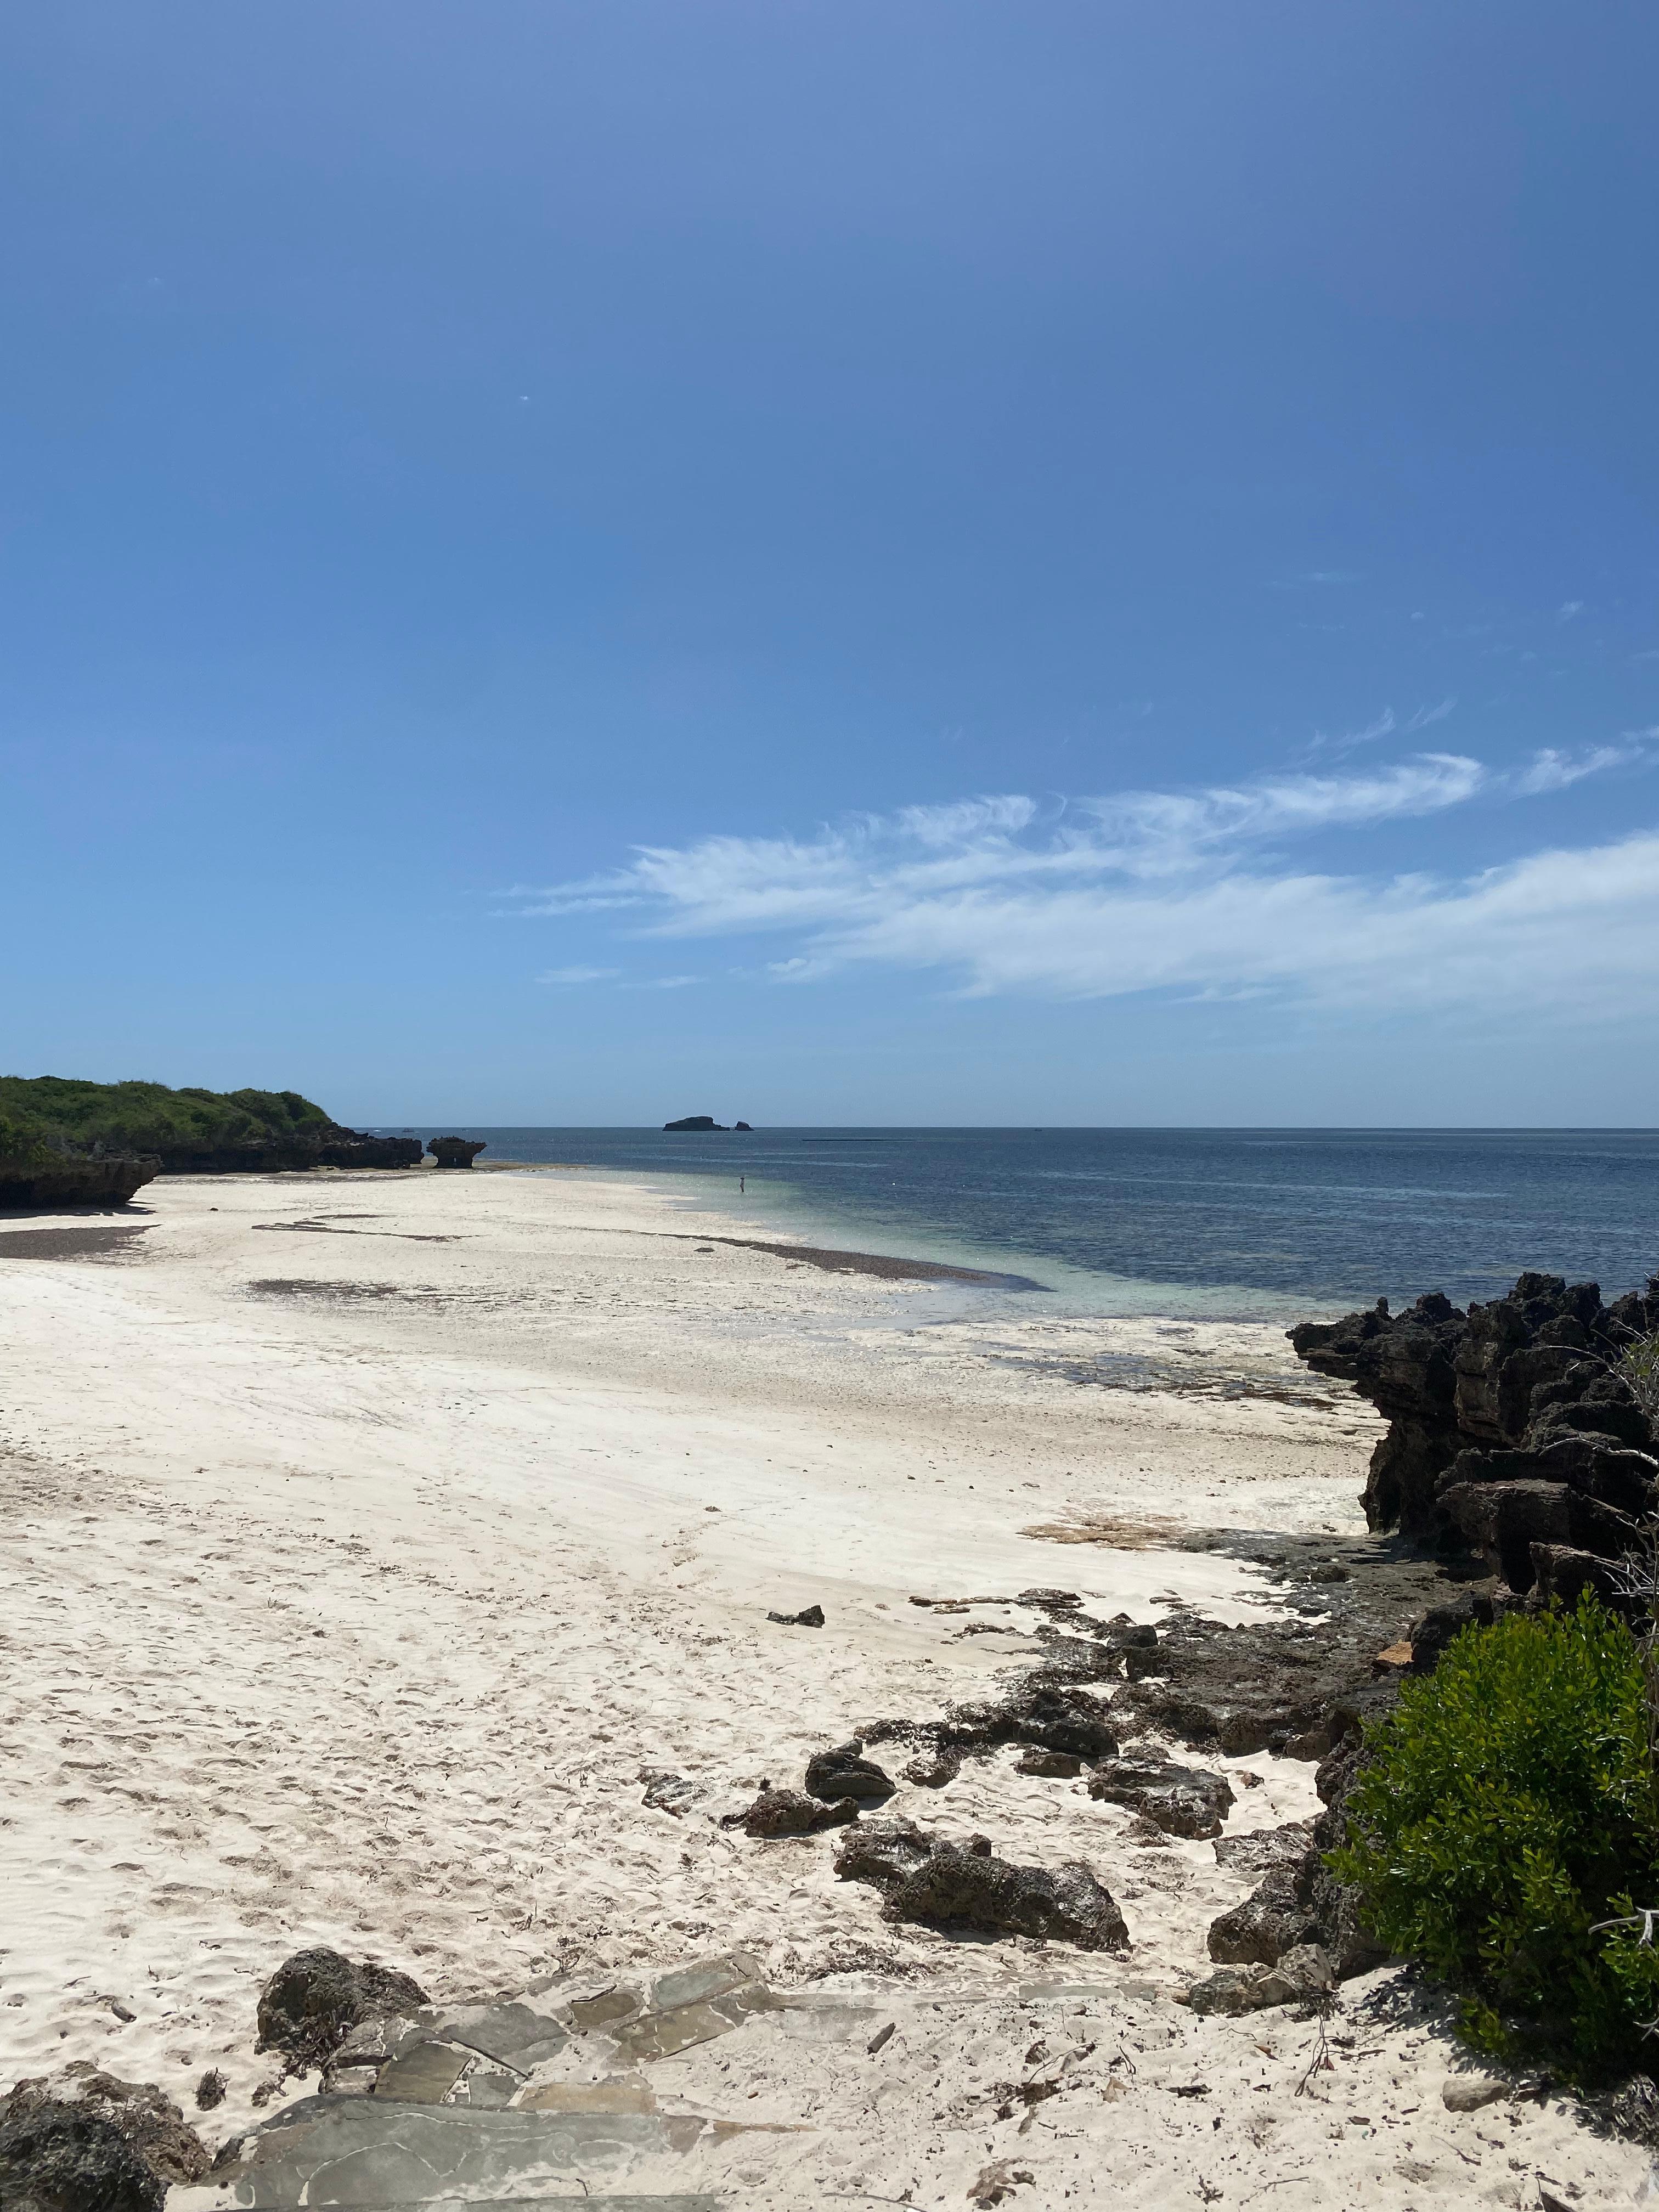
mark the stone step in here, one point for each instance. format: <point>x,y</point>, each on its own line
<point>382,2152</point>
<point>543,2098</point>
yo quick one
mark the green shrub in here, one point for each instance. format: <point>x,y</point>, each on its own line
<point>148,1117</point>
<point>1506,1807</point>
<point>23,1140</point>
<point>1638,1365</point>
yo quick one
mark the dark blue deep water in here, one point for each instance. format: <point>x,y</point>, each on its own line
<point>1241,1221</point>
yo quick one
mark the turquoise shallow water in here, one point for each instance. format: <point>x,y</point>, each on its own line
<point>1251,1222</point>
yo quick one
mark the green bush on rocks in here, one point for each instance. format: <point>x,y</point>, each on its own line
<point>1505,1814</point>
<point>22,1140</point>
<point>148,1117</point>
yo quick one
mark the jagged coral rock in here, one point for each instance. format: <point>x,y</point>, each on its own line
<point>1523,1390</point>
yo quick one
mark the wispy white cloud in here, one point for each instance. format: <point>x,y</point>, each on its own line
<point>1552,770</point>
<point>575,975</point>
<point>727,884</point>
<point>1425,716</point>
<point>1569,610</point>
<point>1385,725</point>
<point>1183,893</point>
<point>1382,725</point>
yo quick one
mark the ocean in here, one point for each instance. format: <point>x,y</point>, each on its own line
<point>1248,1223</point>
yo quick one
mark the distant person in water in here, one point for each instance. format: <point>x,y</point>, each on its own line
<point>742,1186</point>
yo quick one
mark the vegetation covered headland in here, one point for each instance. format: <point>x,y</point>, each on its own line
<point>66,1142</point>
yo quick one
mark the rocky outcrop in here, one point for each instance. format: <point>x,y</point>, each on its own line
<point>1301,1976</point>
<point>1182,1801</point>
<point>694,1122</point>
<point>833,1775</point>
<point>1406,1364</point>
<point>1298,1902</point>
<point>315,1998</point>
<point>793,1812</point>
<point>57,2157</point>
<point>1267,1686</point>
<point>944,1885</point>
<point>1512,1431</point>
<point>188,1132</point>
<point>334,1148</point>
<point>67,1179</point>
<point>85,2140</point>
<point>455,1151</point>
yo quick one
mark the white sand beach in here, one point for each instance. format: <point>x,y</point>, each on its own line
<point>367,1535</point>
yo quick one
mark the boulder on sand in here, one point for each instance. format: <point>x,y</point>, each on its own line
<point>955,1886</point>
<point>58,2157</point>
<point>1300,1902</point>
<point>970,1888</point>
<point>883,1853</point>
<point>832,1775</point>
<point>792,1812</point>
<point>1303,1975</point>
<point>315,1998</point>
<point>145,2119</point>
<point>1271,1921</point>
<point>1184,1800</point>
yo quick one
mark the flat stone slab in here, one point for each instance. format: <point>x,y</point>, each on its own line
<point>619,2093</point>
<point>660,2034</point>
<point>696,1985</point>
<point>423,2073</point>
<point>677,2202</point>
<point>514,2034</point>
<point>375,2154</point>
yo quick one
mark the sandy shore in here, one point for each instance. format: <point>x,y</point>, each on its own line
<point>367,1536</point>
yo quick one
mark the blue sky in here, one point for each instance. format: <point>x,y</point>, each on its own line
<point>920,562</point>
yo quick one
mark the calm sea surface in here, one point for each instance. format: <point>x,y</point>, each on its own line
<point>1244,1222</point>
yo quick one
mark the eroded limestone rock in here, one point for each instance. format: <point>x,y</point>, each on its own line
<point>1184,1800</point>
<point>1303,1974</point>
<point>1521,1390</point>
<point>845,1772</point>
<point>316,1997</point>
<point>793,1812</point>
<point>971,1887</point>
<point>950,1885</point>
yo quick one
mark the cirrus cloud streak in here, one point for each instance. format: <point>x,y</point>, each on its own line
<point>1188,894</point>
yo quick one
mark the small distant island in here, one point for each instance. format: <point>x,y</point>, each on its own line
<point>703,1121</point>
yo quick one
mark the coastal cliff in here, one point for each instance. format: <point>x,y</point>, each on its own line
<point>51,1179</point>
<point>189,1131</point>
